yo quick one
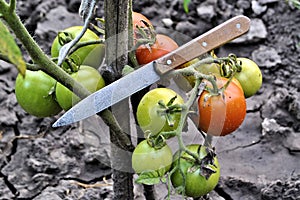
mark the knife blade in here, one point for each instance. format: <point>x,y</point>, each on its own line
<point>152,72</point>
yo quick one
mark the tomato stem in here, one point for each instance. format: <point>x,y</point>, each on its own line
<point>83,44</point>
<point>198,88</point>
<point>208,141</point>
<point>131,52</point>
<point>12,5</point>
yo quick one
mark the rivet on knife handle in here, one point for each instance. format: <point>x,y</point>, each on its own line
<point>214,38</point>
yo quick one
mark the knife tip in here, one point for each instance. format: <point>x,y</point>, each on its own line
<point>64,120</point>
<point>58,123</point>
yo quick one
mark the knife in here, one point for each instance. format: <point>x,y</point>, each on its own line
<point>152,72</point>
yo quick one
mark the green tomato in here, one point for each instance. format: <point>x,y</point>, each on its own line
<point>35,92</point>
<point>91,55</point>
<point>148,111</point>
<point>196,184</point>
<point>146,158</point>
<point>89,77</point>
<point>250,77</point>
<point>212,68</point>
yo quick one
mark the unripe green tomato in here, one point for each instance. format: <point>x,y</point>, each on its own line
<point>212,68</point>
<point>196,185</point>
<point>148,116</point>
<point>250,77</point>
<point>146,158</point>
<point>35,92</point>
<point>91,55</point>
<point>89,77</point>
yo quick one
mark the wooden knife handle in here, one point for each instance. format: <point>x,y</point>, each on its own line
<point>210,40</point>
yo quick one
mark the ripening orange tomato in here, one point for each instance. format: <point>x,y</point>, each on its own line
<point>221,115</point>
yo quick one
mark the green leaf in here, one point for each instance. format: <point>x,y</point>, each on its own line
<point>10,49</point>
<point>186,5</point>
<point>149,178</point>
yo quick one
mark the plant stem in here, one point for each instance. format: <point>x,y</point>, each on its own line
<point>197,89</point>
<point>184,114</point>
<point>83,44</point>
<point>12,5</point>
<point>208,141</point>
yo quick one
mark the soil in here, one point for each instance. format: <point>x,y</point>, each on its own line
<point>258,161</point>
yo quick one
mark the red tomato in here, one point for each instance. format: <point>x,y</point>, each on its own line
<point>162,46</point>
<point>219,116</point>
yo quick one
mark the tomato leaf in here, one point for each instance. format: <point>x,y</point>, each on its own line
<point>186,5</point>
<point>10,49</point>
<point>149,178</point>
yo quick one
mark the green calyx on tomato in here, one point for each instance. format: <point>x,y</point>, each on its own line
<point>143,31</point>
<point>35,94</point>
<point>151,160</point>
<point>159,110</point>
<point>195,178</point>
<point>89,77</point>
<point>250,76</point>
<point>91,55</point>
<point>222,114</point>
<point>140,20</point>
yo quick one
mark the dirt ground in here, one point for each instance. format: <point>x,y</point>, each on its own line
<point>261,160</point>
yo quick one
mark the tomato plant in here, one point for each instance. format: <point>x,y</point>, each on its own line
<point>35,94</point>
<point>162,46</point>
<point>250,77</point>
<point>200,178</point>
<point>91,55</point>
<point>146,158</point>
<point>224,113</point>
<point>221,111</point>
<point>89,77</point>
<point>152,116</point>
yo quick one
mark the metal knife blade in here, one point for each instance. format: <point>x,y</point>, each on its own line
<point>151,73</point>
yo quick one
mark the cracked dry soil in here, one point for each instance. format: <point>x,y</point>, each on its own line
<point>259,161</point>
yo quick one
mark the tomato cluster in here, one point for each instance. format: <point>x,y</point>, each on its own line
<point>195,169</point>
<point>42,96</point>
